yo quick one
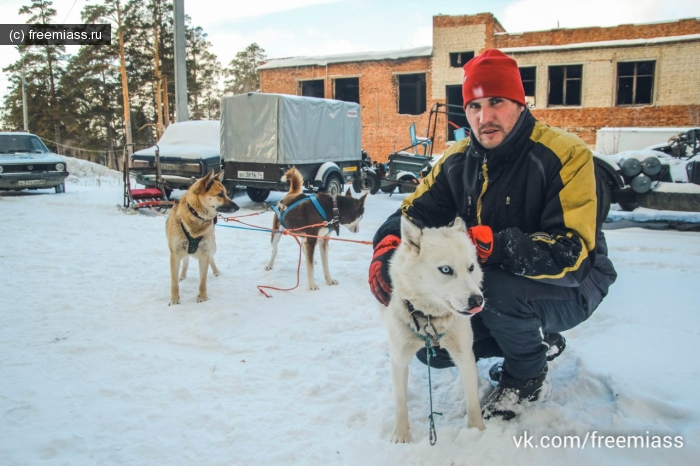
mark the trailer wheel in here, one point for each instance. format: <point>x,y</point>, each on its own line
<point>370,183</point>
<point>334,185</point>
<point>627,200</point>
<point>405,188</point>
<point>257,194</point>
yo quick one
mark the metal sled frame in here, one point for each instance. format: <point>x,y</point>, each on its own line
<point>145,198</point>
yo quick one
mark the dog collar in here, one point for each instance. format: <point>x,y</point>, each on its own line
<point>195,213</point>
<point>428,328</point>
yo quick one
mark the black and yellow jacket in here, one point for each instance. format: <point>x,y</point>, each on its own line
<point>537,192</point>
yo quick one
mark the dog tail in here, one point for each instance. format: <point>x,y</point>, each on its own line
<point>296,181</point>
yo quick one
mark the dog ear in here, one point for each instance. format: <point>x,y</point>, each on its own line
<point>459,224</point>
<point>220,175</point>
<point>210,180</point>
<point>411,234</point>
<point>348,193</point>
<point>362,199</point>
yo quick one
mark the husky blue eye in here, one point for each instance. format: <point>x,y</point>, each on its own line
<point>447,270</point>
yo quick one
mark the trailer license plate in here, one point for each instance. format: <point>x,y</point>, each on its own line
<point>250,175</point>
<point>170,166</point>
<point>30,182</point>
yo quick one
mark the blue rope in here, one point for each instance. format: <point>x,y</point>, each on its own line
<point>430,351</point>
<point>267,230</point>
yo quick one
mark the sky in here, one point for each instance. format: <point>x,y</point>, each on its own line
<point>97,369</point>
<point>285,28</point>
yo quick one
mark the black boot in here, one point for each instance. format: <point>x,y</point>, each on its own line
<point>441,360</point>
<point>506,400</point>
<point>556,342</point>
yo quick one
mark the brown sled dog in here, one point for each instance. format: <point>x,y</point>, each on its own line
<point>190,231</point>
<point>305,213</point>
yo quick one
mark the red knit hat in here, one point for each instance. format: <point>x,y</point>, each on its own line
<point>492,74</point>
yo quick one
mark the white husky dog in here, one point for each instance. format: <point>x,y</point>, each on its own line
<point>436,279</point>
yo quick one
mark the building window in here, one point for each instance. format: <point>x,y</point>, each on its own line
<point>347,89</point>
<point>459,59</point>
<point>565,85</point>
<point>635,82</point>
<point>411,93</point>
<point>313,88</point>
<point>455,110</point>
<point>527,75</point>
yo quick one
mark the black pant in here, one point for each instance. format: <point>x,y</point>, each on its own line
<point>517,314</point>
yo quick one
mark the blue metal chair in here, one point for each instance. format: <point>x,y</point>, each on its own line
<point>460,134</point>
<point>417,140</point>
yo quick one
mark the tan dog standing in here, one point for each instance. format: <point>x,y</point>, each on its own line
<point>190,231</point>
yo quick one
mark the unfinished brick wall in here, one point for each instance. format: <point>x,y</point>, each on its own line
<point>383,128</point>
<point>595,34</point>
<point>676,86</point>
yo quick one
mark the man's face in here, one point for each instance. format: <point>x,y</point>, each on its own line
<point>492,119</point>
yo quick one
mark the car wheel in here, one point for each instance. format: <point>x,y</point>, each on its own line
<point>408,188</point>
<point>257,194</point>
<point>334,185</point>
<point>61,188</point>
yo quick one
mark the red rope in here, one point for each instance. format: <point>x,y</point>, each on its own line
<point>296,236</point>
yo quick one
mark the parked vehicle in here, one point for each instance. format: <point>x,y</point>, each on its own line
<point>262,135</point>
<point>370,177</point>
<point>26,163</point>
<point>188,151</point>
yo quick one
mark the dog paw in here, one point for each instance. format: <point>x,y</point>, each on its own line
<point>332,282</point>
<point>201,299</point>
<point>313,287</point>
<point>182,279</point>
<point>268,268</point>
<point>174,302</point>
<point>217,273</point>
<point>401,436</point>
<point>478,424</point>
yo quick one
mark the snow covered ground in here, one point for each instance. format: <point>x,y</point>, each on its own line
<point>96,368</point>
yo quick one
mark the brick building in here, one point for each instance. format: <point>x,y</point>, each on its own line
<point>578,79</point>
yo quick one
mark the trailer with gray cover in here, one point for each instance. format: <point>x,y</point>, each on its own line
<point>262,135</point>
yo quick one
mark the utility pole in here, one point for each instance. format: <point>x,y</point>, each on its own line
<point>180,64</point>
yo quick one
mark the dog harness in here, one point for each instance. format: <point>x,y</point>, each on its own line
<point>334,223</point>
<point>193,243</point>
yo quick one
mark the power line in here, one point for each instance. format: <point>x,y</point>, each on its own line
<point>71,9</point>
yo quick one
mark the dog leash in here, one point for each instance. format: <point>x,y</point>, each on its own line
<point>431,341</point>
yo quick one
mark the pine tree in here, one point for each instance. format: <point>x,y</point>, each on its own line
<point>116,13</point>
<point>43,67</point>
<point>242,73</point>
<point>203,71</point>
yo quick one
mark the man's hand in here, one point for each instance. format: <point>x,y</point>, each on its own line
<point>379,280</point>
<point>482,237</point>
